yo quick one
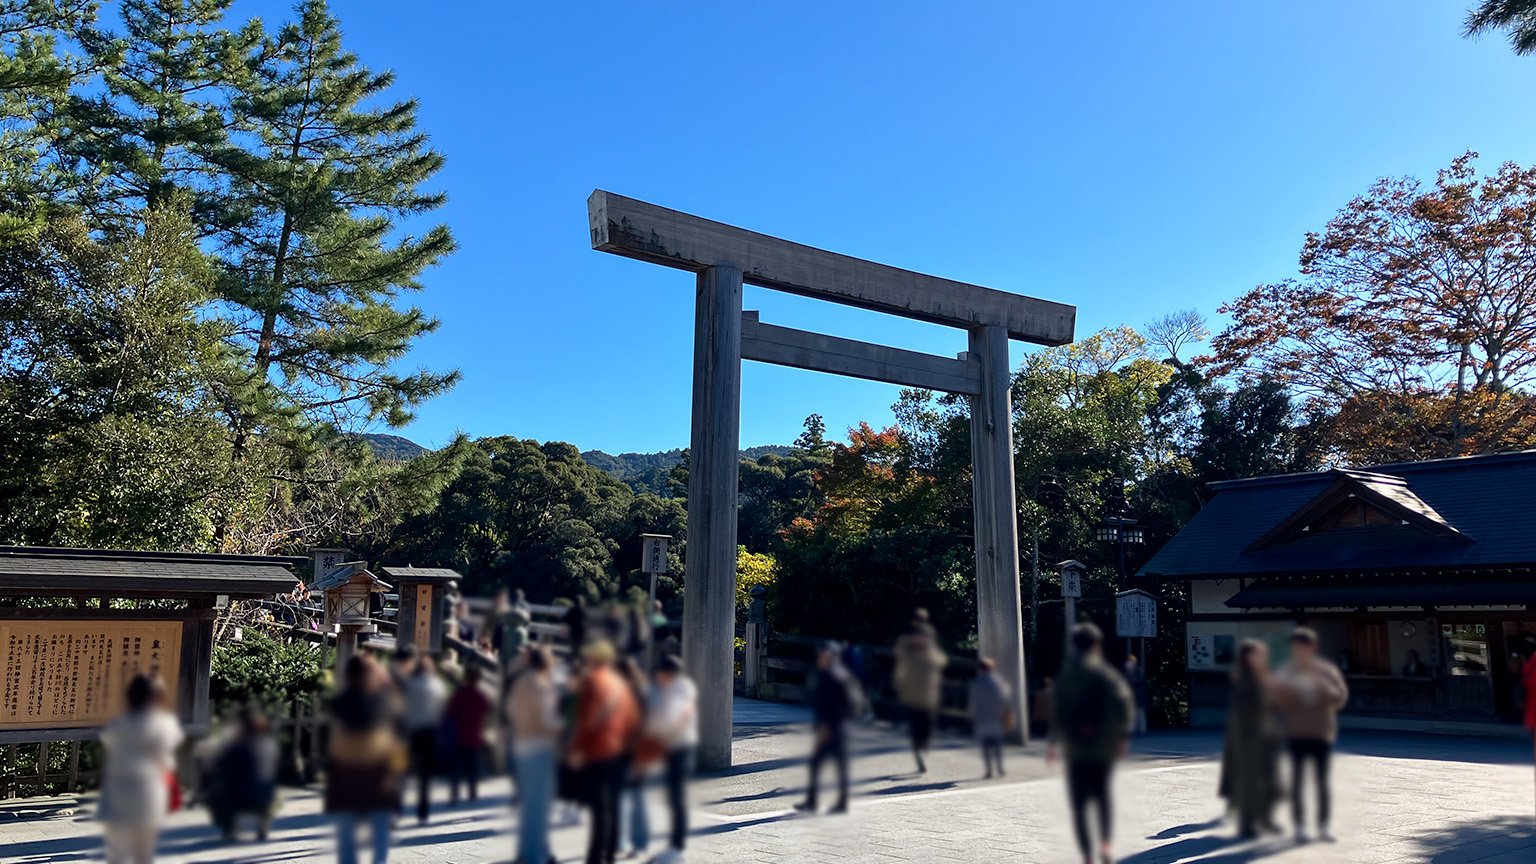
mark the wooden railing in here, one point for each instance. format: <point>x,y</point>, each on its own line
<point>788,663</point>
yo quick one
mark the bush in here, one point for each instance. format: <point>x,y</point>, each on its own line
<point>263,668</point>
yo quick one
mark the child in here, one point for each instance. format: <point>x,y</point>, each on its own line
<point>990,714</point>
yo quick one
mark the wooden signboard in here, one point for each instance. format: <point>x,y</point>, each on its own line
<point>424,616</point>
<point>75,673</point>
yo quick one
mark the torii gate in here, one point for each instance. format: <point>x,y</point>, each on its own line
<point>725,257</point>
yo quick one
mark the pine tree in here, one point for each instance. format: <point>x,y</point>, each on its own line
<point>161,109</point>
<point>326,170</point>
<point>36,75</point>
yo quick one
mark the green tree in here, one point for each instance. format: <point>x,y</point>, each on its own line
<point>325,172</point>
<point>104,400</point>
<point>36,78</point>
<point>537,517</point>
<point>161,109</point>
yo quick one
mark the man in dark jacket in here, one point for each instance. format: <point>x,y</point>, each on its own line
<point>833,698</point>
<point>1091,717</point>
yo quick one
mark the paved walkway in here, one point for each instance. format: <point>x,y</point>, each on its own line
<point>1401,798</point>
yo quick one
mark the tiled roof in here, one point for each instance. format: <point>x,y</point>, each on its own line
<point>1490,500</point>
<point>39,572</point>
<point>422,574</point>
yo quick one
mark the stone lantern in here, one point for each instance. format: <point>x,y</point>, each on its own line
<point>349,589</point>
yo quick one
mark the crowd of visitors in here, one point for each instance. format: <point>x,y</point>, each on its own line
<point>593,725</point>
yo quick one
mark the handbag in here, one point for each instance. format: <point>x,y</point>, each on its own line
<point>173,792</point>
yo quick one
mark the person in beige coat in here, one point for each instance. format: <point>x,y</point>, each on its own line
<point>1308,693</point>
<point>919,680</point>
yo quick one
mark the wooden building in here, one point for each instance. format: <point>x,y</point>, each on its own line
<point>1420,579</point>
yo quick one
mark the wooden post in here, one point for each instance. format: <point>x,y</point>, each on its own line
<point>756,649</point>
<point>74,767</point>
<point>996,518</point>
<point>709,586</point>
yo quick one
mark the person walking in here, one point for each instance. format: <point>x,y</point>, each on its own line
<point>1091,716</point>
<point>425,699</point>
<point>244,777</point>
<point>514,618</point>
<point>634,821</point>
<point>578,619</point>
<point>674,724</point>
<point>136,779</point>
<point>366,759</point>
<point>991,715</point>
<point>533,707</point>
<point>919,679</point>
<point>1136,679</point>
<point>467,712</point>
<point>607,721</point>
<point>1250,777</point>
<point>1309,692</point>
<point>832,705</point>
<point>1040,708</point>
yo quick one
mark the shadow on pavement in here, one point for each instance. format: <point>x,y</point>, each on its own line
<point>1179,850</point>
<point>727,827</point>
<point>1496,839</point>
<point>1181,830</point>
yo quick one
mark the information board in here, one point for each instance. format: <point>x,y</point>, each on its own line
<point>68,673</point>
<point>1135,615</point>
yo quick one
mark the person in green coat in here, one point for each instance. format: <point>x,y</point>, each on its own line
<point>1250,775</point>
<point>1092,713</point>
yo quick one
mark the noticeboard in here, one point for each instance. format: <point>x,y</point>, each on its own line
<point>1135,615</point>
<point>73,673</point>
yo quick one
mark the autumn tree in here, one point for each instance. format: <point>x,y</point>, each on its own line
<point>1413,320</point>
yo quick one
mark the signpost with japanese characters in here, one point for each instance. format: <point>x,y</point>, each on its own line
<point>653,557</point>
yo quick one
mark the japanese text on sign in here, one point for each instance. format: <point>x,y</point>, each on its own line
<point>75,673</point>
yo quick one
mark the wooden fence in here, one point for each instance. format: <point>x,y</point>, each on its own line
<point>47,768</point>
<point>787,663</point>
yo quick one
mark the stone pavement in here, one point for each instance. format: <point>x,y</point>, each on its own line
<point>1400,798</point>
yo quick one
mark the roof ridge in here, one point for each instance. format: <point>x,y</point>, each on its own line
<point>68,552</point>
<point>1386,470</point>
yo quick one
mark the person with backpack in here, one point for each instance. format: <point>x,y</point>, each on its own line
<point>834,700</point>
<point>919,681</point>
<point>1092,713</point>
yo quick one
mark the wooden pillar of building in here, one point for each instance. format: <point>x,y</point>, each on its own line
<point>996,517</point>
<point>709,587</point>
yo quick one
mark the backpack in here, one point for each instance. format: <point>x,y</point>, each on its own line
<point>1090,713</point>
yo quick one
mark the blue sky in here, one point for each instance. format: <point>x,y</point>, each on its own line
<point>1130,158</point>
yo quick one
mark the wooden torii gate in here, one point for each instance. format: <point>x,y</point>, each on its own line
<point>724,257</point>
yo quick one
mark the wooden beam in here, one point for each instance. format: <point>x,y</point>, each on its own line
<point>636,229</point>
<point>801,349</point>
